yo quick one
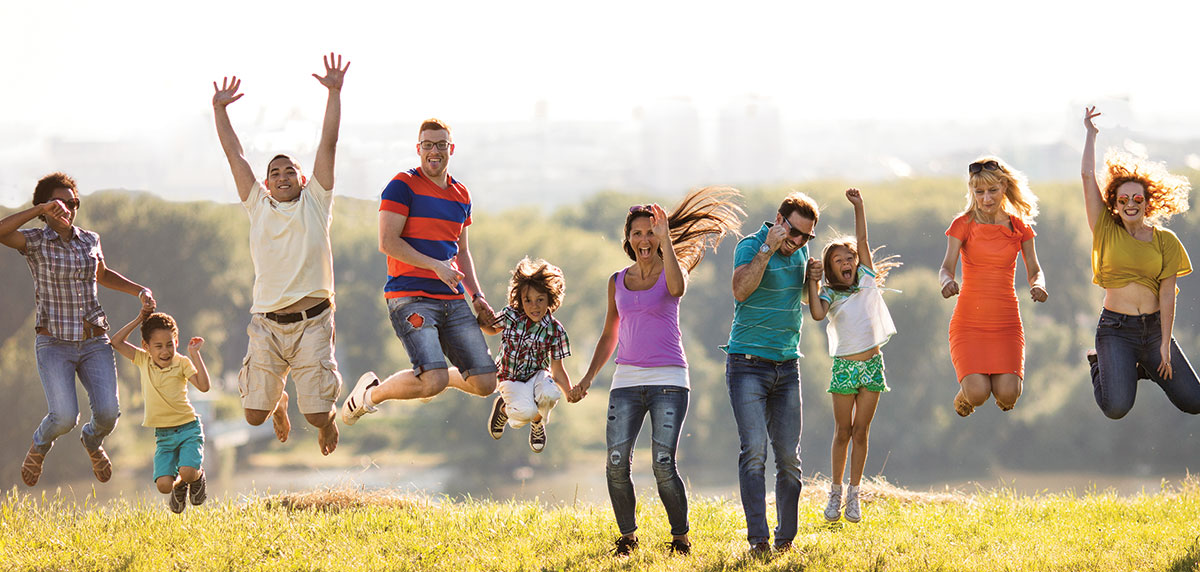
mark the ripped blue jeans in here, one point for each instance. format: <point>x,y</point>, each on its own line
<point>627,408</point>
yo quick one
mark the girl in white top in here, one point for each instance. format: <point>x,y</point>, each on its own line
<point>859,323</point>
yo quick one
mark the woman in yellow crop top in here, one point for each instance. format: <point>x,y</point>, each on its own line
<point>1136,261</point>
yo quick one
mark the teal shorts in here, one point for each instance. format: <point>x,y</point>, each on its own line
<point>181,446</point>
<point>849,376</point>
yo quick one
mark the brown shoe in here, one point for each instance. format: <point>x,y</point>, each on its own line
<point>961,406</point>
<point>101,466</point>
<point>31,469</point>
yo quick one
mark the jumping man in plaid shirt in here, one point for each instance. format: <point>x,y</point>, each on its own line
<point>532,341</point>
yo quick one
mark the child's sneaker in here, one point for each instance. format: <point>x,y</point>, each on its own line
<point>498,419</point>
<point>178,499</point>
<point>537,436</point>
<point>355,405</point>
<point>853,511</point>
<point>833,508</point>
<point>198,490</point>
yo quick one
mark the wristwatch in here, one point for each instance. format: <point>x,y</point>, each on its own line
<point>765,248</point>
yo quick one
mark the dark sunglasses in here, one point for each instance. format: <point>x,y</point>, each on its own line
<point>641,208</point>
<point>797,233</point>
<point>978,166</point>
<point>72,204</point>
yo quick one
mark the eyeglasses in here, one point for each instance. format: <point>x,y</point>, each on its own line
<point>981,165</point>
<point>441,145</point>
<point>72,204</point>
<point>1124,199</point>
<point>797,233</point>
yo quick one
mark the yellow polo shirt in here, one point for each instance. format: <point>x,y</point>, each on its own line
<point>165,390</point>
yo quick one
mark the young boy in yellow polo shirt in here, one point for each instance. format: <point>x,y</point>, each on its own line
<point>179,438</point>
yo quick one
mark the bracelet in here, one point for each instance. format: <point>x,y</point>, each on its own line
<point>476,296</point>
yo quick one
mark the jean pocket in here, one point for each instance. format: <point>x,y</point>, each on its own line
<point>1107,322</point>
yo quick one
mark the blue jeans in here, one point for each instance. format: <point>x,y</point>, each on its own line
<point>58,363</point>
<point>1123,343</point>
<point>627,408</point>
<point>431,328</point>
<point>766,403</point>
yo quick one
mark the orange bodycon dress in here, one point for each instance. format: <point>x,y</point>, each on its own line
<point>986,335</point>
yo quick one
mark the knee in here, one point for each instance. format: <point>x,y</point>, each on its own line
<point>433,382</point>
<point>318,420</point>
<point>1115,411</point>
<point>256,417</point>
<point>484,383</point>
<point>189,474</point>
<point>165,484</point>
<point>62,422</point>
<point>752,459</point>
<point>520,413</point>
<point>618,466</point>
<point>843,433</point>
<point>977,395</point>
<point>106,419</point>
<point>664,465</point>
<point>860,435</point>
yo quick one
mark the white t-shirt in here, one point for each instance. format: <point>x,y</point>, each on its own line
<point>289,245</point>
<point>858,318</point>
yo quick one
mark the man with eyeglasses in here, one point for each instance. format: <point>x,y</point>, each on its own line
<point>423,218</point>
<point>761,368</point>
<point>291,324</point>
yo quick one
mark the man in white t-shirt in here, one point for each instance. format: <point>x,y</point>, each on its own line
<point>291,324</point>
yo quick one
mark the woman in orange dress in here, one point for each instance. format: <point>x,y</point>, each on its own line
<point>987,340</point>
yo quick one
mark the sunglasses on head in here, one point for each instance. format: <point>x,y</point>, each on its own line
<point>641,208</point>
<point>978,166</point>
<point>797,233</point>
<point>1124,199</point>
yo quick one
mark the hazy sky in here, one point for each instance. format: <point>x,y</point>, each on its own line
<point>89,69</point>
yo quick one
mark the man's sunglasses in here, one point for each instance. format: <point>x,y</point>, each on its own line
<point>978,166</point>
<point>797,233</point>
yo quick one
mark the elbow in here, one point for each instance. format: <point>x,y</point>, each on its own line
<point>739,296</point>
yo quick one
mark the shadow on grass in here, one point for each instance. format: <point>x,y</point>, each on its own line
<point>1190,561</point>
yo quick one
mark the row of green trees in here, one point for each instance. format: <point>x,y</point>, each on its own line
<point>195,257</point>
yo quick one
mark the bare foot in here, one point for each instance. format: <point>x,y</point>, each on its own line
<point>327,437</point>
<point>283,426</point>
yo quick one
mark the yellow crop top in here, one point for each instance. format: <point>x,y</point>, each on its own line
<point>1118,258</point>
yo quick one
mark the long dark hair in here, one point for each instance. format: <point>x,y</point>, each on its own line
<point>698,222</point>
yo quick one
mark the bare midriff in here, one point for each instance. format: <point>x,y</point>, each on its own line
<point>863,355</point>
<point>1132,299</point>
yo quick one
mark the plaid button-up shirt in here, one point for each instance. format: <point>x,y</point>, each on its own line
<point>527,347</point>
<point>64,281</point>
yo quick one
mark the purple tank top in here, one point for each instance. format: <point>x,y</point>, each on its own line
<point>648,335</point>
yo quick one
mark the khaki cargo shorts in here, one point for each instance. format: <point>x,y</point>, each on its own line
<point>305,349</point>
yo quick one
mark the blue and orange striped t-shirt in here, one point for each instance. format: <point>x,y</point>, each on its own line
<point>436,218</point>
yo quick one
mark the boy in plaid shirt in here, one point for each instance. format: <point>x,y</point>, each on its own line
<point>532,341</point>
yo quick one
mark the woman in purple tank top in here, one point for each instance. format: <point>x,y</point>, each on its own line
<point>642,326</point>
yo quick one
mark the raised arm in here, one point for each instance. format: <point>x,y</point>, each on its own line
<point>1091,191</point>
<point>747,276</point>
<point>675,276</point>
<point>605,346</point>
<point>335,73</point>
<point>1037,280</point>
<point>243,175</point>
<point>860,228</point>
<point>950,267</point>
<point>200,378</point>
<point>10,235</point>
<point>120,340</point>
<point>112,279</point>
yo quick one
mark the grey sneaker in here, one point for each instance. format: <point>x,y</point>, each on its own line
<point>853,511</point>
<point>178,498</point>
<point>355,405</point>
<point>198,490</point>
<point>498,419</point>
<point>833,508</point>
<point>537,436</point>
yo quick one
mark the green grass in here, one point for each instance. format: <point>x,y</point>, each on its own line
<point>354,530</point>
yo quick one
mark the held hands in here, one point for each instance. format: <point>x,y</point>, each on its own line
<point>854,196</point>
<point>579,391</point>
<point>950,288</point>
<point>334,74</point>
<point>1089,114</point>
<point>484,315</point>
<point>227,93</point>
<point>1037,292</point>
<point>194,344</point>
<point>814,270</point>
<point>1164,363</point>
<point>148,303</point>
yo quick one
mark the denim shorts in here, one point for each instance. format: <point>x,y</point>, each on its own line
<point>433,330</point>
<point>174,447</point>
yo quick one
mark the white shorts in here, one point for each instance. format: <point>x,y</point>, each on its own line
<point>524,400</point>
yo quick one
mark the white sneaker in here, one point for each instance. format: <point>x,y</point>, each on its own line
<point>355,405</point>
<point>833,508</point>
<point>853,511</point>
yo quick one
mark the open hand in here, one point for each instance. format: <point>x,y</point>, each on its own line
<point>335,73</point>
<point>228,92</point>
<point>1089,114</point>
<point>195,343</point>
<point>658,224</point>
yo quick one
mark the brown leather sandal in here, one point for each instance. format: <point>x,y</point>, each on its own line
<point>31,469</point>
<point>961,406</point>
<point>101,466</point>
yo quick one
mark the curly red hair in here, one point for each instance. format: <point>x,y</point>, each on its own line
<point>1166,194</point>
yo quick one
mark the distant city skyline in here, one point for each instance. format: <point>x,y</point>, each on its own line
<point>567,90</point>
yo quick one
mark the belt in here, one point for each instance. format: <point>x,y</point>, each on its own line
<point>298,316</point>
<point>763,359</point>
